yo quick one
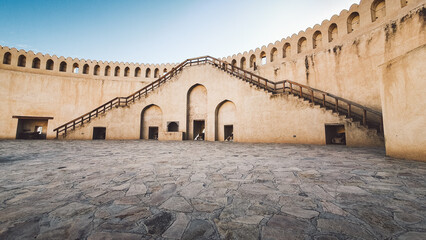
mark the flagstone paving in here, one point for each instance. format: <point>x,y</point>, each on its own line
<point>207,190</point>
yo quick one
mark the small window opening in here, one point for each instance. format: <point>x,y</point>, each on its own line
<point>156,73</point>
<point>107,71</point>
<point>36,63</point>
<point>96,70</point>
<point>317,39</point>
<point>165,71</point>
<point>262,58</point>
<point>153,133</point>
<point>86,69</point>
<point>335,134</point>
<point>253,61</point>
<point>22,61</point>
<point>117,71</point>
<point>302,45</point>
<point>173,127</point>
<point>404,3</point>
<point>286,50</point>
<point>49,64</point>
<point>234,63</point>
<point>273,54</point>
<point>99,133</point>
<point>332,32</point>
<point>7,58</point>
<point>148,73</point>
<point>138,72</point>
<point>243,63</point>
<point>75,68</point>
<point>353,22</point>
<point>126,71</point>
<point>63,67</point>
<point>378,9</point>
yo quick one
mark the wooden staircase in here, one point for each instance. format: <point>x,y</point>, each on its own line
<point>352,111</point>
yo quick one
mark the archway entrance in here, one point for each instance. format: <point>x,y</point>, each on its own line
<point>151,122</point>
<point>196,113</point>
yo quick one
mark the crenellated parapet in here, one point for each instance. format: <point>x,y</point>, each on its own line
<point>21,60</point>
<point>359,19</point>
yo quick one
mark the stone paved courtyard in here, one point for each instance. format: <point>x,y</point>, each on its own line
<point>207,190</point>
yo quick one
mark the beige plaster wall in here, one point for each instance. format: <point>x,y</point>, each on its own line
<point>259,116</point>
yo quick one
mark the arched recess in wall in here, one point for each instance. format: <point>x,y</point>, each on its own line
<point>156,73</point>
<point>117,71</point>
<point>234,63</point>
<point>138,72</point>
<point>151,122</point>
<point>63,67</point>
<point>378,9</point>
<point>96,70</point>
<point>75,68</point>
<point>49,64</point>
<point>317,39</point>
<point>286,50</point>
<point>164,71</point>
<point>243,63</point>
<point>126,71</point>
<point>148,73</point>
<point>353,22</point>
<point>263,58</point>
<point>196,111</point>
<point>404,3</point>
<point>22,61</point>
<point>86,69</point>
<point>7,58</point>
<point>36,63</point>
<point>225,119</point>
<point>302,45</point>
<point>273,55</point>
<point>107,71</point>
<point>332,32</point>
<point>253,61</point>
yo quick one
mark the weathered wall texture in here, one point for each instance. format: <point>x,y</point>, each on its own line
<point>369,54</point>
<point>258,116</point>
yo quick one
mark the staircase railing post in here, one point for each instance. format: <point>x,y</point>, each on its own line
<point>349,110</point>
<point>364,117</point>
<point>301,92</point>
<point>57,134</point>
<point>291,88</point>
<point>337,105</point>
<point>73,125</point>
<point>323,100</point>
<point>65,130</point>
<point>312,96</point>
<point>119,99</point>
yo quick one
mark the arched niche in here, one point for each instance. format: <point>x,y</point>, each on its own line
<point>196,111</point>
<point>151,122</point>
<point>225,119</point>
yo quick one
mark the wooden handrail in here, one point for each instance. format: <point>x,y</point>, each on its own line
<point>248,76</point>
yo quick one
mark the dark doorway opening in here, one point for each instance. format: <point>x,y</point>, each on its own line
<point>31,129</point>
<point>335,134</point>
<point>99,133</point>
<point>229,133</point>
<point>199,130</point>
<point>153,133</point>
<point>173,127</point>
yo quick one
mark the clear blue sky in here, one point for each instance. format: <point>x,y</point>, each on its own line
<point>157,31</point>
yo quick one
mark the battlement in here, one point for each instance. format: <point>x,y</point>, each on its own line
<point>359,19</point>
<point>21,60</point>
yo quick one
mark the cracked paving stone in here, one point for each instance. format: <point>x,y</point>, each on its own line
<point>176,230</point>
<point>157,224</point>
<point>178,204</point>
<point>199,229</point>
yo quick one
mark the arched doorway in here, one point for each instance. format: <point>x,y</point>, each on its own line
<point>225,121</point>
<point>196,113</point>
<point>151,122</point>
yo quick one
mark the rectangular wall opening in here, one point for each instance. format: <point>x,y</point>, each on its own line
<point>31,127</point>
<point>153,133</point>
<point>99,133</point>
<point>335,134</point>
<point>199,130</point>
<point>229,133</point>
